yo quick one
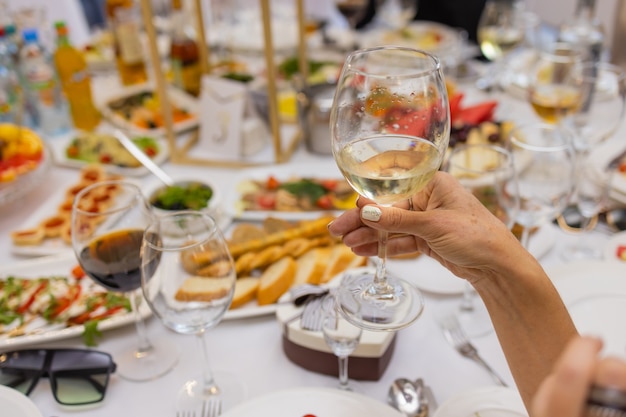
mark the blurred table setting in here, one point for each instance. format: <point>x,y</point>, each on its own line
<point>226,138</point>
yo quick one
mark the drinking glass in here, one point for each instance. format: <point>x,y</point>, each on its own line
<point>487,172</point>
<point>397,13</point>
<point>501,29</point>
<point>188,279</point>
<point>545,164</point>
<point>390,126</point>
<point>341,336</point>
<point>352,10</point>
<point>555,83</point>
<point>108,221</point>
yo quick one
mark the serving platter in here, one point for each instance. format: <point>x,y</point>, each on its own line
<point>60,265</point>
<point>25,183</point>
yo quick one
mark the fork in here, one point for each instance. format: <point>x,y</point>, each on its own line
<point>458,339</point>
<point>212,407</point>
<point>188,413</point>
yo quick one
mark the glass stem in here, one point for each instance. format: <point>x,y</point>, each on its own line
<point>467,303</point>
<point>585,224</point>
<point>145,347</point>
<point>343,372</point>
<point>525,237</point>
<point>209,387</point>
<point>380,279</point>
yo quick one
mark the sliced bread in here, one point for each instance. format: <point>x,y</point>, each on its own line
<point>311,266</point>
<point>276,280</point>
<point>203,289</point>
<point>245,291</point>
<point>340,257</point>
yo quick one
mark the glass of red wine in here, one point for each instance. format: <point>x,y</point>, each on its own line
<point>108,222</point>
<point>352,10</point>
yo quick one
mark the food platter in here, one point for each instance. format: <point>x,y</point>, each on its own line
<point>46,267</point>
<point>60,145</point>
<point>25,183</point>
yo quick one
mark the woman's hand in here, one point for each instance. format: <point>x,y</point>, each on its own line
<point>446,222</point>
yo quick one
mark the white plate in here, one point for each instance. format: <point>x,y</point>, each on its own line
<point>320,402</point>
<point>16,404</point>
<point>25,183</point>
<point>46,267</point>
<point>177,97</point>
<point>59,146</point>
<point>610,249</point>
<point>595,295</point>
<point>280,172</point>
<point>484,402</point>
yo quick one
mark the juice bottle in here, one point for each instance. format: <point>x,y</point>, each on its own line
<point>184,54</point>
<point>124,23</point>
<point>75,80</point>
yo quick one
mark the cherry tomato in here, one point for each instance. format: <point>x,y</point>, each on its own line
<point>266,201</point>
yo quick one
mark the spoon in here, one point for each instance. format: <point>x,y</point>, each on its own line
<point>408,397</point>
<point>143,158</point>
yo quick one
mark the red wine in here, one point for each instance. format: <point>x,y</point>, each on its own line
<point>113,260</point>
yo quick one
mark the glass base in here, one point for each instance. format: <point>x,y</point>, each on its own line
<point>138,367</point>
<point>393,307</point>
<point>580,253</point>
<point>194,398</point>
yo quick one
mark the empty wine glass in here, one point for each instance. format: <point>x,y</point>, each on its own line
<point>397,13</point>
<point>390,126</point>
<point>188,278</point>
<point>341,336</point>
<point>545,164</point>
<point>486,171</point>
<point>108,221</point>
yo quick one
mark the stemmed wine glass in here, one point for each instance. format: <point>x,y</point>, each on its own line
<point>352,10</point>
<point>341,336</point>
<point>397,13</point>
<point>108,221</point>
<point>487,172</point>
<point>390,125</point>
<point>545,164</point>
<point>188,279</point>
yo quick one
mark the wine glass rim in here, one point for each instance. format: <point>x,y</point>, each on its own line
<point>496,148</point>
<point>603,66</point>
<point>158,220</point>
<point>139,195</point>
<point>567,144</point>
<point>436,62</point>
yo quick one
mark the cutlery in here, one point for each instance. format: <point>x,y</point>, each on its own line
<point>430,398</point>
<point>408,397</point>
<point>186,413</point>
<point>143,158</point>
<point>458,339</point>
<point>212,407</point>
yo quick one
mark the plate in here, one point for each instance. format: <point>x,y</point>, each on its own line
<point>25,183</point>
<point>45,267</point>
<point>16,404</point>
<point>325,402</point>
<point>484,402</point>
<point>610,249</point>
<point>318,170</point>
<point>595,295</point>
<point>177,98</point>
<point>427,36</point>
<point>59,146</point>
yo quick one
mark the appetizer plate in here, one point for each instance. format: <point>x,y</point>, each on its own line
<point>321,170</point>
<point>59,147</point>
<point>25,183</point>
<point>595,295</point>
<point>16,404</point>
<point>484,402</point>
<point>325,402</point>
<point>46,267</point>
<point>177,97</point>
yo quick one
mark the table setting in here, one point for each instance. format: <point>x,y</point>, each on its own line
<point>262,355</point>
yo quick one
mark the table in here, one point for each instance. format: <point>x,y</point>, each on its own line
<point>251,348</point>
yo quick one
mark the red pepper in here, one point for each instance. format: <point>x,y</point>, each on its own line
<point>324,202</point>
<point>621,252</point>
<point>266,201</point>
<point>25,306</point>
<point>78,272</point>
<point>272,183</point>
<point>329,184</point>
<point>63,303</point>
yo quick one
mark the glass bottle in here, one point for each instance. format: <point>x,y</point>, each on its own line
<point>9,84</point>
<point>44,99</point>
<point>124,22</point>
<point>184,54</point>
<point>585,31</point>
<point>75,80</point>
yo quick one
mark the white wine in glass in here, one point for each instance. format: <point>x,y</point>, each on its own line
<point>390,126</point>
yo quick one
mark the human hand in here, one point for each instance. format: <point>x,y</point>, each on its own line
<point>446,223</point>
<point>564,392</point>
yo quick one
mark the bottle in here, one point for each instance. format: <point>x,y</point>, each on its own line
<point>123,20</point>
<point>75,81</point>
<point>44,98</point>
<point>9,84</point>
<point>585,31</point>
<point>184,54</point>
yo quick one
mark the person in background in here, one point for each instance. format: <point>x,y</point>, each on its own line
<point>447,223</point>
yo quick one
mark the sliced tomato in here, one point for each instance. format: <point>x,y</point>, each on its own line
<point>329,184</point>
<point>63,303</point>
<point>325,202</point>
<point>621,252</point>
<point>455,105</point>
<point>409,121</point>
<point>266,201</point>
<point>477,113</point>
<point>23,308</point>
<point>78,272</point>
<point>150,151</point>
<point>105,159</point>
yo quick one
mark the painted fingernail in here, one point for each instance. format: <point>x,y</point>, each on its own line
<point>371,213</point>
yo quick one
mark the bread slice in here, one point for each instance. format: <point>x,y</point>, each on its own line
<point>245,291</point>
<point>203,289</point>
<point>276,280</point>
<point>311,266</point>
<point>340,258</point>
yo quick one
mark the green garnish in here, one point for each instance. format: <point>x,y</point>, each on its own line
<point>192,196</point>
<point>91,333</point>
<point>305,188</point>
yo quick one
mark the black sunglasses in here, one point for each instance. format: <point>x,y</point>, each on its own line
<point>77,376</point>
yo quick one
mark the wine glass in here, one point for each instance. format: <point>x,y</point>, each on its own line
<point>108,221</point>
<point>390,126</point>
<point>188,279</point>
<point>501,29</point>
<point>352,10</point>
<point>545,164</point>
<point>487,172</point>
<point>397,13</point>
<point>555,83</point>
<point>341,336</point>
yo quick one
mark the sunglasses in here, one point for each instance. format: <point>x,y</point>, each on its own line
<point>77,376</point>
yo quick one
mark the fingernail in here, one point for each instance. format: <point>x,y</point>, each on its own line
<point>371,213</point>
